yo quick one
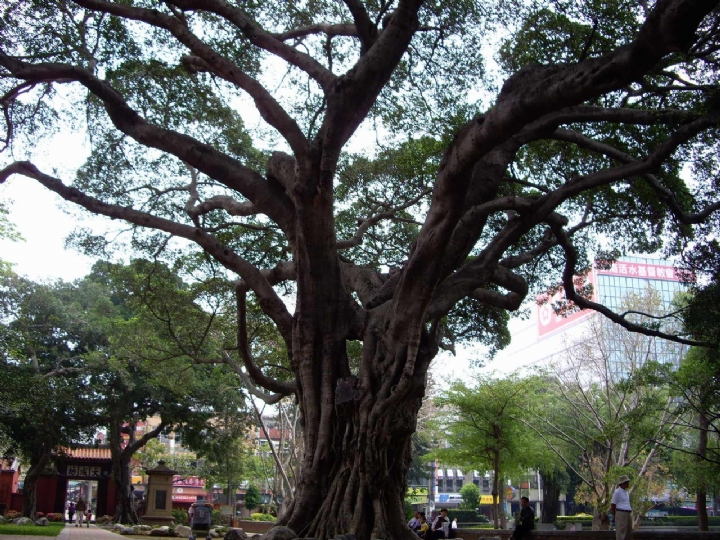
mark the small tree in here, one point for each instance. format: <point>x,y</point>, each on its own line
<point>484,430</point>
<point>252,497</point>
<point>471,496</point>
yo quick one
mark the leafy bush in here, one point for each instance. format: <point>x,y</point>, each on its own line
<point>54,517</point>
<point>687,521</point>
<point>180,516</point>
<point>561,522</point>
<point>464,516</point>
<point>216,517</point>
<point>12,514</point>
<point>104,520</point>
<point>262,517</point>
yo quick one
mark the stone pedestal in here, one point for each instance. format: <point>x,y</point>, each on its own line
<point>159,496</point>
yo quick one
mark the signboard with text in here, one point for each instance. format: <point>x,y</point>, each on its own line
<point>86,471</point>
<point>188,481</point>
<point>641,270</point>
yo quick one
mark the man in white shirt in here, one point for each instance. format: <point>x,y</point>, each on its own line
<point>621,509</point>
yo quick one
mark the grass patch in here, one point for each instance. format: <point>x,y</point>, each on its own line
<point>51,529</point>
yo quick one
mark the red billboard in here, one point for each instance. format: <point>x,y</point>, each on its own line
<point>548,320</point>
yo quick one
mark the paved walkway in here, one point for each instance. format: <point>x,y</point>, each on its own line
<point>70,532</point>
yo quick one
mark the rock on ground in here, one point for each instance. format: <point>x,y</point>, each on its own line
<point>235,534</point>
<point>279,533</point>
<point>182,530</point>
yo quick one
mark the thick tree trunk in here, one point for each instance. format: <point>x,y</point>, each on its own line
<point>38,462</point>
<point>358,485</point>
<point>601,521</point>
<point>499,520</point>
<point>357,424</point>
<point>353,475</point>
<point>700,501</point>
<point>550,498</point>
<point>125,508</point>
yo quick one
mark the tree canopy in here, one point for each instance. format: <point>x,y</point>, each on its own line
<point>220,132</point>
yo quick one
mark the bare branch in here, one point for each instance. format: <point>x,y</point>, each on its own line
<point>584,303</point>
<point>271,302</point>
<point>356,240</point>
<point>664,193</point>
<point>269,108</point>
<point>366,29</point>
<point>322,28</point>
<point>230,172</point>
<point>260,38</point>
<point>246,355</point>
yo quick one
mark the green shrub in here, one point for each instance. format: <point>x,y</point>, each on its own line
<point>180,516</point>
<point>262,517</point>
<point>216,517</point>
<point>464,516</point>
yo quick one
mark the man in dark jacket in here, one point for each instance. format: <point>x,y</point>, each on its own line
<point>526,521</point>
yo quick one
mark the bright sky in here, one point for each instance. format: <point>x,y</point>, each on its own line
<point>38,214</point>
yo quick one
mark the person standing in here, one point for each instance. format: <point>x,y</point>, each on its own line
<point>71,512</point>
<point>80,508</point>
<point>621,509</point>
<point>525,521</point>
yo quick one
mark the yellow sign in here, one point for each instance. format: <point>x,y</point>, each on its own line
<point>486,499</point>
<point>418,495</point>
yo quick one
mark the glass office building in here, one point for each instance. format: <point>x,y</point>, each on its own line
<point>632,284</point>
<point>545,336</point>
<point>643,284</point>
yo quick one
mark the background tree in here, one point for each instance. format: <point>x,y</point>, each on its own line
<point>149,371</point>
<point>460,213</point>
<point>482,428</point>
<point>45,332</point>
<point>252,497</point>
<point>470,494</point>
<point>608,415</point>
<point>223,444</point>
<point>697,447</point>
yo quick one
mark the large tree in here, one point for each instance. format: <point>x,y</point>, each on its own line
<point>457,219</point>
<point>47,401</point>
